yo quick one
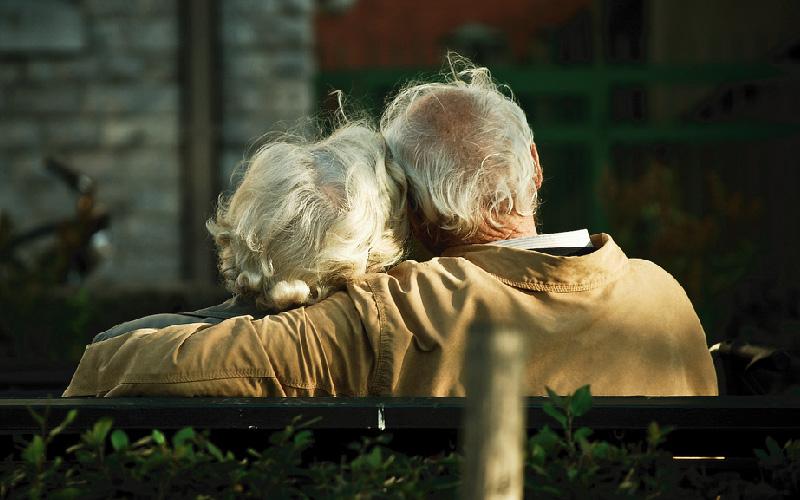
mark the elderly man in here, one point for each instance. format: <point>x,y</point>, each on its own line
<point>590,314</point>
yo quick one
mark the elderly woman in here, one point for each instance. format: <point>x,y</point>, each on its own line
<point>306,218</point>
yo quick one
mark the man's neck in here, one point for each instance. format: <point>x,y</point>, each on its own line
<point>514,227</point>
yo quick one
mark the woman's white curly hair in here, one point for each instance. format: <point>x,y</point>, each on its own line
<point>309,216</point>
<point>465,147</point>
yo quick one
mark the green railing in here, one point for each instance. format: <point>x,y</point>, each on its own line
<point>591,128</point>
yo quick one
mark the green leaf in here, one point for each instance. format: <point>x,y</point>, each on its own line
<point>183,435</point>
<point>97,435</point>
<point>582,434</point>
<point>374,459</point>
<point>142,441</point>
<point>545,438</point>
<point>303,439</point>
<point>581,401</point>
<point>84,456</point>
<point>34,452</point>
<point>557,400</point>
<point>40,419</point>
<point>601,450</point>
<point>214,451</point>
<point>158,437</point>
<point>773,457</point>
<point>71,415</point>
<point>119,440</point>
<point>572,473</point>
<point>63,425</point>
<point>538,454</point>
<point>555,413</point>
<point>773,447</point>
<point>656,434</point>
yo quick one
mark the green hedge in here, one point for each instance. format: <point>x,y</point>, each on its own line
<point>562,463</point>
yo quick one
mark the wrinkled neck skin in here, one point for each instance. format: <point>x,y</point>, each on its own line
<point>514,226</point>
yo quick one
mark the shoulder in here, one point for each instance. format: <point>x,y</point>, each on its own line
<point>335,313</point>
<point>445,271</point>
<point>645,269</point>
<point>654,283</point>
<point>414,289</point>
<point>417,286</point>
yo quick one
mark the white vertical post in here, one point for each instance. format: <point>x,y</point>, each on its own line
<point>495,420</point>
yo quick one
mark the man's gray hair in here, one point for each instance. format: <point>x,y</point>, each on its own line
<point>309,216</point>
<point>466,149</point>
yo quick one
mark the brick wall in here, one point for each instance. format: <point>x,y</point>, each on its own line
<point>416,33</point>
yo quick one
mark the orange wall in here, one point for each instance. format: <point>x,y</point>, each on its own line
<point>391,33</point>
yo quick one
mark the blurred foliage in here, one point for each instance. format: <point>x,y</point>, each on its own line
<point>712,251</point>
<point>42,270</point>
<point>566,463</point>
<point>709,252</point>
<point>767,312</point>
<point>49,312</point>
<point>44,328</point>
<point>44,319</point>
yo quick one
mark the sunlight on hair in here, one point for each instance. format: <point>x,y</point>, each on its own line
<point>310,215</point>
<point>465,146</point>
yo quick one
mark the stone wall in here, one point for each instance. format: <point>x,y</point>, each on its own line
<point>267,65</point>
<point>107,101</point>
<point>110,109</point>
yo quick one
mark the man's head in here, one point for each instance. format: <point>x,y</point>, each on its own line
<point>469,157</point>
<point>309,216</point>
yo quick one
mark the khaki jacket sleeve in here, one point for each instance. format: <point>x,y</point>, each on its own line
<point>317,350</point>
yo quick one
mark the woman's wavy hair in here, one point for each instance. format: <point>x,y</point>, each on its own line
<point>465,146</point>
<point>310,215</point>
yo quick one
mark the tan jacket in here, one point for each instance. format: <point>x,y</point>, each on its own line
<point>625,326</point>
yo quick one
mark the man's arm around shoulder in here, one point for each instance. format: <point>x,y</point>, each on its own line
<point>316,350</point>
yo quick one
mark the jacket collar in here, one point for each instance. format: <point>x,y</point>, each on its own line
<point>532,270</point>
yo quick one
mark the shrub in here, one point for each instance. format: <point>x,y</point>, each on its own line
<point>563,463</point>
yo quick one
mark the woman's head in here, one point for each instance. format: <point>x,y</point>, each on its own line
<point>309,216</point>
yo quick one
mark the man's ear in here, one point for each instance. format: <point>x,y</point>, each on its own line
<point>535,156</point>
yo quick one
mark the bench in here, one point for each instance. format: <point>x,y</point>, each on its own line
<point>729,426</point>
